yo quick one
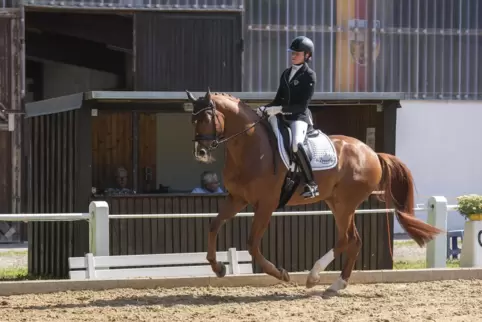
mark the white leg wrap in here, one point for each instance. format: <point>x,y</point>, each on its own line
<point>323,262</point>
<point>338,285</point>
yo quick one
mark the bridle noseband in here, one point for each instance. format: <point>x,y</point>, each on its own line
<point>215,140</point>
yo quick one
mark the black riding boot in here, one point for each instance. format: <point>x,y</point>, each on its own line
<point>311,188</point>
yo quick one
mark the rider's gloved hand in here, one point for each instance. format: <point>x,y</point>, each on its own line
<point>260,110</point>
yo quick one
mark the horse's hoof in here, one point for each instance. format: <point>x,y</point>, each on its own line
<point>222,272</point>
<point>312,281</point>
<point>329,293</point>
<point>285,277</point>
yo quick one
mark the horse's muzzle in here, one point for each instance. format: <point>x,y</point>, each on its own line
<point>202,153</point>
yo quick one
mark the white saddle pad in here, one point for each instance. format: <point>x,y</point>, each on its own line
<point>321,148</point>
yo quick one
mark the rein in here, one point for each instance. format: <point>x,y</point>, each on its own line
<point>215,140</point>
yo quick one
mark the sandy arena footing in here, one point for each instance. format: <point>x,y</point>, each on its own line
<point>440,301</point>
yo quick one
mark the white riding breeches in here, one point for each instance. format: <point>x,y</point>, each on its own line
<point>298,130</point>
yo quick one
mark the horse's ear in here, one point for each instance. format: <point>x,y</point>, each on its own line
<point>208,95</point>
<point>190,96</point>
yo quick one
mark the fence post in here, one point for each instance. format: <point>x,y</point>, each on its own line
<point>99,228</point>
<point>437,248</point>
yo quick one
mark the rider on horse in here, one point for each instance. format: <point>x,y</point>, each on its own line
<point>293,96</point>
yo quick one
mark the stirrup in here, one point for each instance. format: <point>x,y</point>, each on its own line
<point>311,191</point>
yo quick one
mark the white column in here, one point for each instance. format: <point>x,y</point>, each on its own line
<point>437,248</point>
<point>99,228</point>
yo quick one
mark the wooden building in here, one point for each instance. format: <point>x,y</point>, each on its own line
<point>76,134</point>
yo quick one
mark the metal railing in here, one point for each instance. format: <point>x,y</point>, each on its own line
<point>152,5</point>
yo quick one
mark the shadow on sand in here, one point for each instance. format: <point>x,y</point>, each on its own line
<point>186,299</point>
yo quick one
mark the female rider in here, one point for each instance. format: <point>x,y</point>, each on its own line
<point>294,93</point>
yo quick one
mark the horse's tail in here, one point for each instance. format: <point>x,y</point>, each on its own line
<point>397,181</point>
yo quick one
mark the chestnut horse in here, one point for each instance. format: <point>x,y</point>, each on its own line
<point>249,179</point>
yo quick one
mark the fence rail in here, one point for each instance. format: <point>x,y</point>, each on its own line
<point>275,214</point>
<point>251,214</point>
<point>45,217</point>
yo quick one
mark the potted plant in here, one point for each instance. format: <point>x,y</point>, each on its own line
<point>470,206</point>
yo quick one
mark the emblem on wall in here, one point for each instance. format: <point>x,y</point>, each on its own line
<point>358,40</point>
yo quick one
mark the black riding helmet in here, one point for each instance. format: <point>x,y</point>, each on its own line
<point>304,44</point>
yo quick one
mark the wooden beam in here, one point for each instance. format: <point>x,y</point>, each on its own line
<point>140,107</point>
<point>108,29</point>
<point>74,51</point>
<point>83,177</point>
<point>390,126</point>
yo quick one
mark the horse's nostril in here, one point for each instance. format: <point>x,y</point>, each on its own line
<point>202,153</point>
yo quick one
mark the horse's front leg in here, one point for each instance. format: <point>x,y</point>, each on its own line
<point>229,209</point>
<point>260,223</point>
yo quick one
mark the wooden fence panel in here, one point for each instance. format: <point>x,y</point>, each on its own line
<point>293,242</point>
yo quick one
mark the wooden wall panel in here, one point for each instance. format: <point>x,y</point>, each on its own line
<point>208,51</point>
<point>9,231</point>
<point>351,121</point>
<point>111,147</point>
<point>147,151</point>
<point>5,169</point>
<point>59,182</point>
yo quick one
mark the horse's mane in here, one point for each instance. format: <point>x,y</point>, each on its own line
<point>232,99</point>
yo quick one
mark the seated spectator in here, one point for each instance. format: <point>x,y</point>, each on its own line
<point>121,179</point>
<point>209,183</point>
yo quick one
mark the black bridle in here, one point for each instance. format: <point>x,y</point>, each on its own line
<point>214,138</point>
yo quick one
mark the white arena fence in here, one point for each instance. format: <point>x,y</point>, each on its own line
<point>98,218</point>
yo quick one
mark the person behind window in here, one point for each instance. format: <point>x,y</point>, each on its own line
<point>209,183</point>
<point>121,177</point>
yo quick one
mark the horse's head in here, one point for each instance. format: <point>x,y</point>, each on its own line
<point>208,123</point>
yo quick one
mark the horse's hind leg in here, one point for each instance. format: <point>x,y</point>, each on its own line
<point>352,250</point>
<point>347,201</point>
<point>343,218</point>
<point>229,209</point>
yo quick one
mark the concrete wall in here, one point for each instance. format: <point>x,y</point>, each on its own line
<point>176,166</point>
<point>440,142</point>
